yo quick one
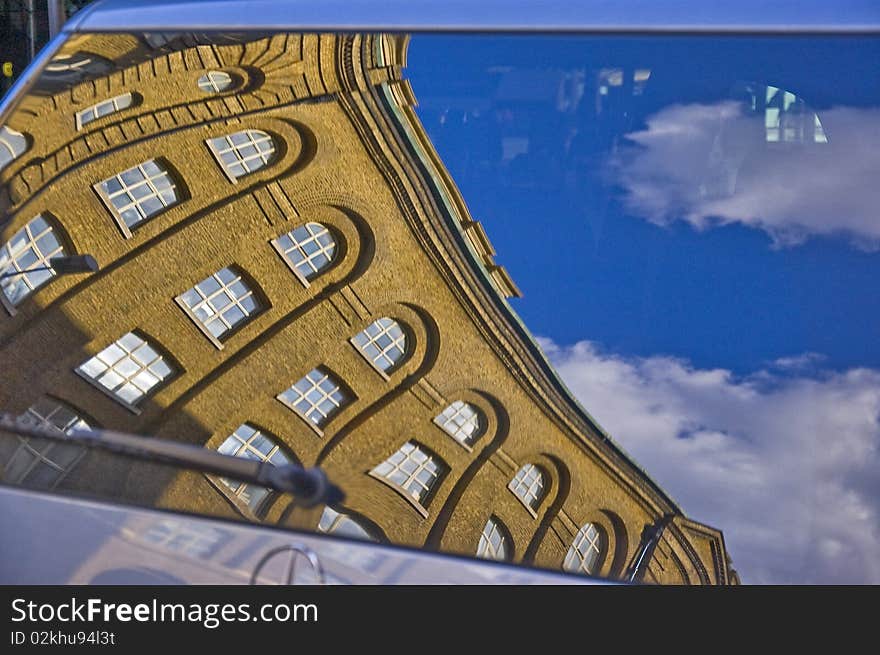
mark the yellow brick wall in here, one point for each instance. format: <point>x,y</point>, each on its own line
<point>306,91</point>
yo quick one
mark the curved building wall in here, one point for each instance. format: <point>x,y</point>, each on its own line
<point>319,100</point>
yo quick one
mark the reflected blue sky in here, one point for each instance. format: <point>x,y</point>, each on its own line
<point>721,297</point>
<point>703,278</point>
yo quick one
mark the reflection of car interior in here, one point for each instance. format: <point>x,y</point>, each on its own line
<point>763,115</point>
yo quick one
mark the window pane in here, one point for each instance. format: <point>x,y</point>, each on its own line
<point>243,152</point>
<point>462,421</point>
<point>221,301</point>
<point>42,463</point>
<point>135,193</point>
<point>31,247</point>
<point>250,443</point>
<point>383,343</point>
<point>493,542</point>
<point>413,470</point>
<point>102,109</point>
<point>128,368</point>
<point>333,522</point>
<point>215,82</point>
<point>309,249</point>
<point>317,396</point>
<point>12,144</point>
<point>586,551</point>
<point>528,485</point>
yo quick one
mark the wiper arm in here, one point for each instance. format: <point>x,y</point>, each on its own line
<point>310,486</point>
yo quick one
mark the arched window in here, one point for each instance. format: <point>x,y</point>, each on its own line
<point>215,82</point>
<point>72,68</point>
<point>77,61</point>
<point>242,152</point>
<point>127,370</point>
<point>103,108</point>
<point>463,422</point>
<point>40,462</point>
<point>528,486</point>
<point>137,194</point>
<point>788,119</point>
<point>220,303</point>
<point>587,550</point>
<point>495,541</point>
<point>382,343</point>
<point>413,471</point>
<point>316,396</point>
<point>308,250</point>
<point>333,522</point>
<point>12,144</point>
<point>29,248</point>
<point>251,443</point>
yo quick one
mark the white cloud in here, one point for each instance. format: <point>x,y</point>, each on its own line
<point>708,164</point>
<point>805,361</point>
<point>786,465</point>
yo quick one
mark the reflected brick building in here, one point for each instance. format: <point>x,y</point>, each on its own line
<point>289,273</point>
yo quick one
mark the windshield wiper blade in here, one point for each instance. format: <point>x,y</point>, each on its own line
<point>309,486</point>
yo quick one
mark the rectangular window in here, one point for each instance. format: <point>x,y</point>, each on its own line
<point>382,343</point>
<point>220,303</point>
<point>127,370</point>
<point>42,463</point>
<point>316,397</point>
<point>29,249</point>
<point>137,194</point>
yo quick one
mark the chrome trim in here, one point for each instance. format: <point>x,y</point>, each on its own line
<point>788,16</point>
<point>598,16</point>
<point>295,550</point>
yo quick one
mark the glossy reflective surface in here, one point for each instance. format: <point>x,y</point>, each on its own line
<point>514,294</point>
<point>113,545</point>
<point>694,225</point>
